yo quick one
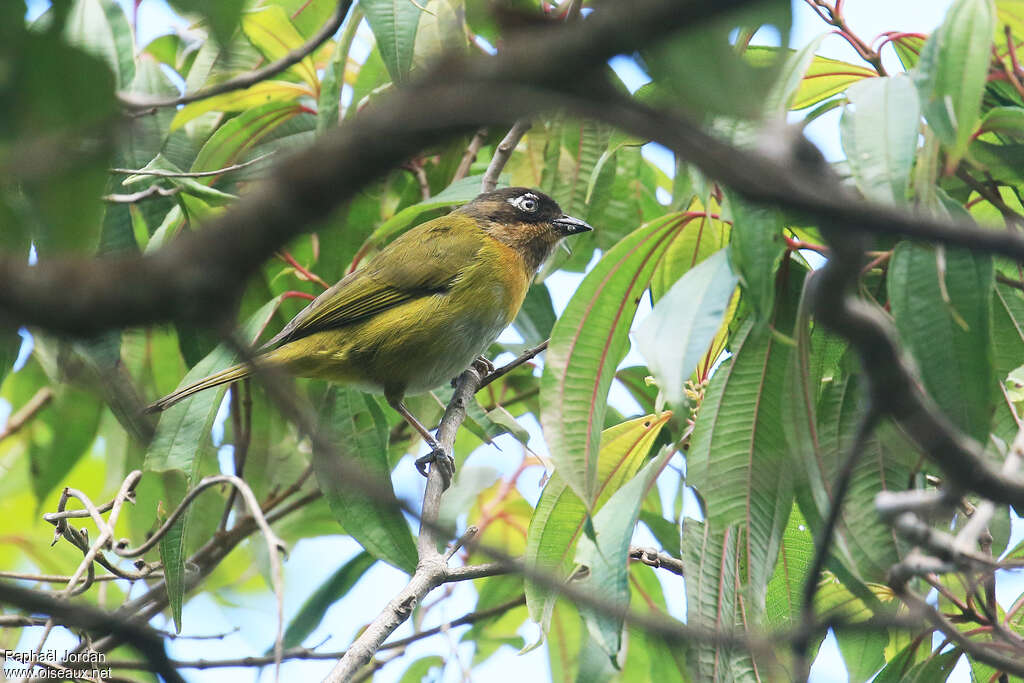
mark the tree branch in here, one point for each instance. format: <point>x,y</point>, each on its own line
<point>502,153</point>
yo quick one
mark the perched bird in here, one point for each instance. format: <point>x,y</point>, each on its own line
<point>423,308</point>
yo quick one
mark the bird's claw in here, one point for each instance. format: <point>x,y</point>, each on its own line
<point>441,459</point>
<point>483,366</point>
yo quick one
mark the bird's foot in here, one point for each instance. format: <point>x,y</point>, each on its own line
<point>441,459</point>
<point>483,366</point>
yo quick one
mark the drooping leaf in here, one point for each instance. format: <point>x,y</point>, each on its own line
<point>360,433</point>
<point>536,317</point>
<point>952,71</point>
<point>239,134</point>
<point>822,78</point>
<point>682,324</point>
<point>879,135</point>
<point>394,24</point>
<point>458,193</point>
<point>222,15</point>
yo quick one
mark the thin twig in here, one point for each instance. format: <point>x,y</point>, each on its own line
<point>24,415</point>
<point>148,193</point>
<point>136,102</point>
<point>159,173</point>
<point>470,155</point>
<point>527,355</point>
<point>502,153</point>
<point>653,557</point>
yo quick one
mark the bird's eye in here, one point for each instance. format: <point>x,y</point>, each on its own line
<point>528,204</point>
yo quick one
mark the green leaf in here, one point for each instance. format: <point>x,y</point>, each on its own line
<point>394,24</point>
<point>879,135</point>
<point>172,556</point>
<point>952,72</point>
<point>587,343</point>
<point>791,76</point>
<point>738,458</point>
<point>460,192</point>
<point>536,317</point>
<point>273,34</point>
<point>101,28</point>
<point>420,669</point>
<point>822,77</point>
<point>328,103</point>
<point>360,435</point>
<point>239,134</point>
<point>574,148</point>
<point>756,249</point>
<point>942,305</point>
<point>72,420</point>
<point>329,592</point>
<point>712,566</point>
<point>184,428</point>
<point>1005,120</point>
<point>222,15</point>
<point>908,48</point>
<point>676,335</point>
<point>262,93</point>
<point>558,520</point>
<point>607,554</point>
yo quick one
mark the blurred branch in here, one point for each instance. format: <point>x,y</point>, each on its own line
<point>15,422</point>
<point>470,156</point>
<point>136,102</point>
<point>148,193</point>
<point>136,633</point>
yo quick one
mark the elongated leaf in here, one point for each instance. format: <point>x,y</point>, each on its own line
<point>607,554</point>
<point>738,455</point>
<point>879,135</point>
<point>756,249</point>
<point>650,657</point>
<point>236,136</point>
<point>264,92</point>
<point>394,24</point>
<point>1005,120</point>
<point>682,324</point>
<point>587,343</point>
<point>329,592</point>
<point>952,72</point>
<point>559,518</point>
<point>360,433</point>
<point>941,304</point>
<point>791,76</point>
<point>171,549</point>
<point>714,600</point>
<point>574,149</point>
<point>273,34</point>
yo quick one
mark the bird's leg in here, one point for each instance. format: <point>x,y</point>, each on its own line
<point>483,366</point>
<point>437,454</point>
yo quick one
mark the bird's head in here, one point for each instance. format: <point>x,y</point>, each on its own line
<point>527,220</point>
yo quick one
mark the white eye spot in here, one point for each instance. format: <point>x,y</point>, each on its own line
<point>527,203</point>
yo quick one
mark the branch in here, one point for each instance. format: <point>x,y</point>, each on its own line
<point>502,153</point>
<point>148,193</point>
<point>652,557</point>
<point>135,102</point>
<point>137,633</point>
<point>470,156</point>
<point>15,422</point>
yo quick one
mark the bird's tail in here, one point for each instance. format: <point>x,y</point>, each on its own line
<point>235,372</point>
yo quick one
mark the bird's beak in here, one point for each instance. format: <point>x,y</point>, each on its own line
<point>567,225</point>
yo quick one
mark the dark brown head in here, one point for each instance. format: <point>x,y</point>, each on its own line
<point>525,219</point>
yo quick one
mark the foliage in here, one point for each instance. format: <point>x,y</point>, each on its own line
<point>758,400</point>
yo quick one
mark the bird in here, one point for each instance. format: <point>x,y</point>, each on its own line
<point>422,310</point>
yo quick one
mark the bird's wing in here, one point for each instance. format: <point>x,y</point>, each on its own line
<point>423,261</point>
